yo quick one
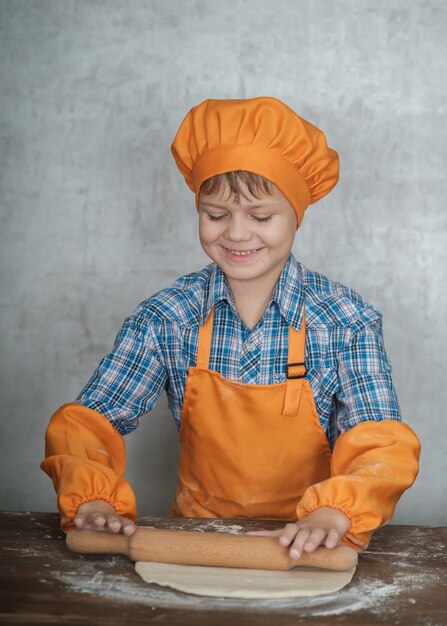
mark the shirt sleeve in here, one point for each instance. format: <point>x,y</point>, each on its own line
<point>366,391</point>
<point>129,380</point>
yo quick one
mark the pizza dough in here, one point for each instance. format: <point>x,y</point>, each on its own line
<point>231,582</point>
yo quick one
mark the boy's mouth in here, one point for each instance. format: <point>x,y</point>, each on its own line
<point>241,255</point>
<point>242,252</point>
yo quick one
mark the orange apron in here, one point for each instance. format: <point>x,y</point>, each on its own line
<point>248,450</point>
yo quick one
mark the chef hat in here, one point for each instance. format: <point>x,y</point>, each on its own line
<point>260,135</point>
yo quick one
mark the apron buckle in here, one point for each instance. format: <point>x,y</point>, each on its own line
<point>293,375</point>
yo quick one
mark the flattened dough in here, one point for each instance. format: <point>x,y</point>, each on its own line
<point>225,582</point>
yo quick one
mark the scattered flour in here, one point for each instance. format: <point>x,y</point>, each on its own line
<point>26,552</point>
<point>95,578</point>
<point>216,525</point>
<point>361,594</point>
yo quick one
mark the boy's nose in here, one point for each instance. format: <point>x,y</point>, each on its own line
<point>238,230</point>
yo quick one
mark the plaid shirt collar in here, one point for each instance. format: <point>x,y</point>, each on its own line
<point>288,294</point>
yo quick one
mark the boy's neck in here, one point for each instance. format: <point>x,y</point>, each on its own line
<point>252,297</point>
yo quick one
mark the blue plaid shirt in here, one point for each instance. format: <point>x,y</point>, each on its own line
<point>348,369</point>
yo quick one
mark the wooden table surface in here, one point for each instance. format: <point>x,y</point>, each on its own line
<point>400,579</point>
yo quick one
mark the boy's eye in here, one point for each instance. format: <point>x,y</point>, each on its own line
<point>263,219</point>
<point>215,218</point>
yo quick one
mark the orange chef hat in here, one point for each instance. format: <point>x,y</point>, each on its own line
<point>260,135</point>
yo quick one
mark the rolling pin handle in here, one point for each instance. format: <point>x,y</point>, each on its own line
<point>97,542</point>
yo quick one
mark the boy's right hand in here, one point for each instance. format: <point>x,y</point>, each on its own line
<point>100,515</point>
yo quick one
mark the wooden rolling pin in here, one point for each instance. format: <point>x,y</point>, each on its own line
<point>189,547</point>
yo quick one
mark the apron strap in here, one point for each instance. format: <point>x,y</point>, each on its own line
<point>204,347</point>
<point>296,369</point>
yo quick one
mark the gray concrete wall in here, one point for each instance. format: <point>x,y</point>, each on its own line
<point>95,217</point>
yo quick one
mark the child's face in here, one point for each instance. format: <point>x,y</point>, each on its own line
<point>251,240</point>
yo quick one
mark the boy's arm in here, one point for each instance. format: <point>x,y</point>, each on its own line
<point>376,457</point>
<point>371,467</point>
<point>85,457</point>
<point>84,452</point>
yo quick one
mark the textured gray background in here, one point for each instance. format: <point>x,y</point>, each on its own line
<point>95,217</point>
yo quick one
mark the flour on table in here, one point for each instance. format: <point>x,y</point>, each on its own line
<point>229,582</point>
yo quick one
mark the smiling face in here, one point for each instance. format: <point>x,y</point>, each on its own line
<point>249,240</point>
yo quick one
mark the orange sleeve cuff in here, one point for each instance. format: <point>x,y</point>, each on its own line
<point>86,459</point>
<point>372,465</point>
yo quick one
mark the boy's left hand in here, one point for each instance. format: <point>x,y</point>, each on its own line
<point>324,526</point>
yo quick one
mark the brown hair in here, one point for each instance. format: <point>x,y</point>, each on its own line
<point>253,182</point>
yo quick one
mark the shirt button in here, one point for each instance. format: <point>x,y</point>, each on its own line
<point>250,346</point>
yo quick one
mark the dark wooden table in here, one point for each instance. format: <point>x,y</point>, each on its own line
<point>400,579</point>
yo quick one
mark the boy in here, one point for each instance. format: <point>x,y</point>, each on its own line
<point>276,376</point>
